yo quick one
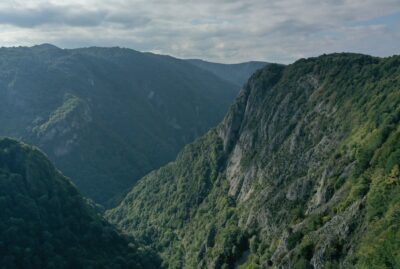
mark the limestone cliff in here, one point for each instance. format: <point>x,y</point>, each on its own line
<point>302,173</point>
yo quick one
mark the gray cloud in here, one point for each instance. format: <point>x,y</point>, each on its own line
<point>227,31</point>
<point>71,15</point>
<point>50,15</point>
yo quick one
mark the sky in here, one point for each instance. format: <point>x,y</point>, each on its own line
<point>215,30</point>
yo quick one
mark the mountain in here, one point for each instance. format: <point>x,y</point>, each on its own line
<point>303,172</point>
<point>107,116</point>
<point>45,223</point>
<point>237,74</point>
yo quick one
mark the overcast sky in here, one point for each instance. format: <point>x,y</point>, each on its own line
<point>218,30</point>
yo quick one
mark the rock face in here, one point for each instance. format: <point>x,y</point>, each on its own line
<point>292,178</point>
<point>63,126</point>
<point>107,116</point>
<point>46,223</point>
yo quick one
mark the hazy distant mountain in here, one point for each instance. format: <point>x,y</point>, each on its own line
<point>304,172</point>
<point>45,223</point>
<point>237,74</point>
<point>107,116</point>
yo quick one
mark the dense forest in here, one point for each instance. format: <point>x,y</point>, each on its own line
<point>46,224</point>
<point>107,116</point>
<point>302,173</point>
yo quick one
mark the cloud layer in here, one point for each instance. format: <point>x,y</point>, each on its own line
<point>217,30</point>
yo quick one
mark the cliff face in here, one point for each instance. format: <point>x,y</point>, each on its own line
<point>302,173</point>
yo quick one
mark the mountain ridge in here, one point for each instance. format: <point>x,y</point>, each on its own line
<point>237,73</point>
<point>106,116</point>
<point>293,177</point>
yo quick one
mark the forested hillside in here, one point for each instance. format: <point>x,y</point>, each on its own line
<point>302,173</point>
<point>107,116</point>
<point>46,224</point>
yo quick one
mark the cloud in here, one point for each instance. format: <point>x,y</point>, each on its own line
<point>71,15</point>
<point>217,30</point>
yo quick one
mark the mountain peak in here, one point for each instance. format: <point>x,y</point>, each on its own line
<point>46,46</point>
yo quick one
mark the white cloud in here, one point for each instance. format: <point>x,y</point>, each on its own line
<point>227,31</point>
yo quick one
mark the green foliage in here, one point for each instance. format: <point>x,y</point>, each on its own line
<point>379,247</point>
<point>302,263</point>
<point>107,116</point>
<point>46,223</point>
<point>294,239</point>
<point>312,147</point>
<point>70,105</point>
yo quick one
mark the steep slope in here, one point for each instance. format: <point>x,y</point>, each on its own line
<point>237,74</point>
<point>302,173</point>
<point>46,223</point>
<point>107,116</point>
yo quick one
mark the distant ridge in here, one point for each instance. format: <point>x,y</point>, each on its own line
<point>237,74</point>
<point>107,116</point>
<point>46,46</point>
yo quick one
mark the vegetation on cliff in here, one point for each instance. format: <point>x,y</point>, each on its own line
<point>302,173</point>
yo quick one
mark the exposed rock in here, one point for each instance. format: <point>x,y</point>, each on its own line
<point>303,166</point>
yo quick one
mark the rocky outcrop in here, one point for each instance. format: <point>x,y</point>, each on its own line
<point>63,126</point>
